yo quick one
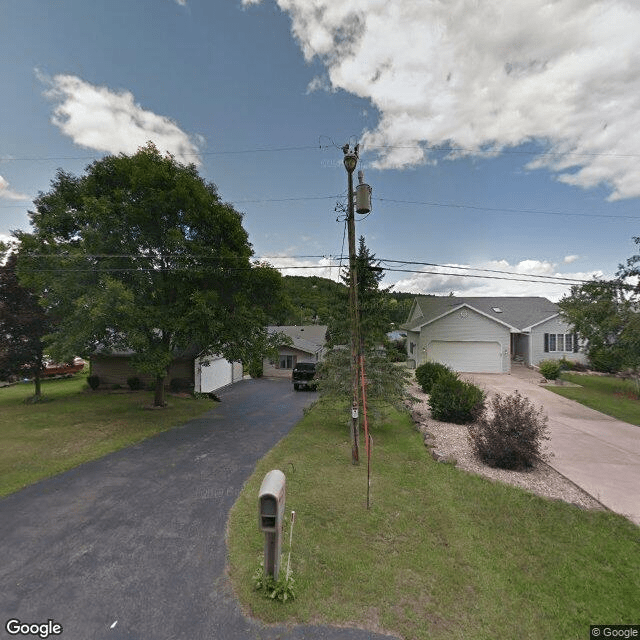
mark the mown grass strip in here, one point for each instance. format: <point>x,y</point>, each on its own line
<point>610,395</point>
<point>441,554</point>
<point>76,425</point>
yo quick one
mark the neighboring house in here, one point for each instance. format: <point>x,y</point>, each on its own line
<point>486,334</point>
<point>189,369</point>
<point>307,345</point>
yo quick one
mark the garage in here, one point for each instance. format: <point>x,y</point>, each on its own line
<point>468,356</point>
<point>213,373</point>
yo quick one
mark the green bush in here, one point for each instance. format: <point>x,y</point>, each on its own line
<point>510,435</point>
<point>93,382</point>
<point>255,368</point>
<point>605,360</point>
<point>550,369</point>
<point>453,400</point>
<point>429,372</point>
<point>180,385</point>
<point>135,384</point>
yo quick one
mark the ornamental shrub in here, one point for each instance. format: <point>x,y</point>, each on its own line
<point>550,369</point>
<point>429,372</point>
<point>93,382</point>
<point>135,384</point>
<point>510,434</point>
<point>453,400</point>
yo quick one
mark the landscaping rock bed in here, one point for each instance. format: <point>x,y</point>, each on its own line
<point>449,444</point>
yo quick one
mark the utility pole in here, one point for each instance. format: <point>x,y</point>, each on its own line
<point>350,161</point>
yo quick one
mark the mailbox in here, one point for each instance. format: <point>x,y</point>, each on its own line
<point>271,501</point>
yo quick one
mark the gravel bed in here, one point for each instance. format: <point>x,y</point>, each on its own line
<point>449,443</point>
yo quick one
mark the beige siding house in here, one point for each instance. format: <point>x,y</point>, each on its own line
<point>307,344</point>
<point>478,334</point>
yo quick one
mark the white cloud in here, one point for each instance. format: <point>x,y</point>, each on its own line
<point>484,75</point>
<point>9,194</point>
<point>570,259</point>
<point>484,280</point>
<point>322,267</point>
<point>111,121</point>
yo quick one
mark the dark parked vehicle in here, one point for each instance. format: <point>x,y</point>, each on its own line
<point>304,376</point>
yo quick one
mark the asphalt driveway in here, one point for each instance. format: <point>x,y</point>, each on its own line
<point>599,453</point>
<point>132,546</point>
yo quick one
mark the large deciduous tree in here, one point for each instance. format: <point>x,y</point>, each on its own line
<point>23,323</point>
<point>140,254</point>
<point>605,313</point>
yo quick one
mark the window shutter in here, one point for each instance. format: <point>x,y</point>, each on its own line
<point>546,343</point>
<point>575,343</point>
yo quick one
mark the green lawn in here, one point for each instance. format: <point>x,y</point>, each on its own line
<point>609,395</point>
<point>441,554</point>
<point>76,425</point>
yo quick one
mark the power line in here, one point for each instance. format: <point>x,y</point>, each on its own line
<point>458,205</point>
<point>450,266</point>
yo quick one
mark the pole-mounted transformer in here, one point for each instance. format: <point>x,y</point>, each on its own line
<point>363,195</point>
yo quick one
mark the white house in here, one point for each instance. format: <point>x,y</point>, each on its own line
<point>478,334</point>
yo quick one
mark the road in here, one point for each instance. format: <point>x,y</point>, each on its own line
<point>132,546</point>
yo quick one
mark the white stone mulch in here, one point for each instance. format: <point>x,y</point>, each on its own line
<point>450,442</point>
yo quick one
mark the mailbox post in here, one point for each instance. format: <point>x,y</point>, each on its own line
<point>271,501</point>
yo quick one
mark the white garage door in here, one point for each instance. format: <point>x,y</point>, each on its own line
<point>478,357</point>
<point>217,374</point>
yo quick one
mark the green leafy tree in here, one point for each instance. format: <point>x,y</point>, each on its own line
<point>141,254</point>
<point>602,313</point>
<point>23,323</point>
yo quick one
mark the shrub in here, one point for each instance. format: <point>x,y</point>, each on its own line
<point>135,384</point>
<point>605,360</point>
<point>180,385</point>
<point>255,369</point>
<point>550,369</point>
<point>510,435</point>
<point>93,382</point>
<point>453,400</point>
<point>429,372</point>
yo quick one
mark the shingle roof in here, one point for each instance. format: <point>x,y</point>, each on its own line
<point>307,338</point>
<point>518,312</point>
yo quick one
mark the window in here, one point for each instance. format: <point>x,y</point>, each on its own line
<point>560,342</point>
<point>287,362</point>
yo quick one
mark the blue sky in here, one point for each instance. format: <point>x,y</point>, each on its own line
<point>512,149</point>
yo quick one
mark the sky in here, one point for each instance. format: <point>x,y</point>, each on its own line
<point>501,139</point>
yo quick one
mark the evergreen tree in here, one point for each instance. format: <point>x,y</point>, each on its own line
<point>373,302</point>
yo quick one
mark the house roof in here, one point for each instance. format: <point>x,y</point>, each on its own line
<point>519,313</point>
<point>307,338</point>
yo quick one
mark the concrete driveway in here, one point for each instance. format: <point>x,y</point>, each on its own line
<point>600,454</point>
<point>132,546</point>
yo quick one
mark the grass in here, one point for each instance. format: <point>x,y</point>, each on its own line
<point>75,425</point>
<point>440,554</point>
<point>609,395</point>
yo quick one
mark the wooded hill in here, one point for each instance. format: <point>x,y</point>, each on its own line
<point>314,300</point>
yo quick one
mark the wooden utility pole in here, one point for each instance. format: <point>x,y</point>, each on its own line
<point>350,162</point>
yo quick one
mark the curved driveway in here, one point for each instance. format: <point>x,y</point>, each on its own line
<point>132,546</point>
<point>599,453</point>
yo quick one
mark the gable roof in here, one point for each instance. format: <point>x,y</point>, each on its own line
<point>308,338</point>
<point>517,312</point>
